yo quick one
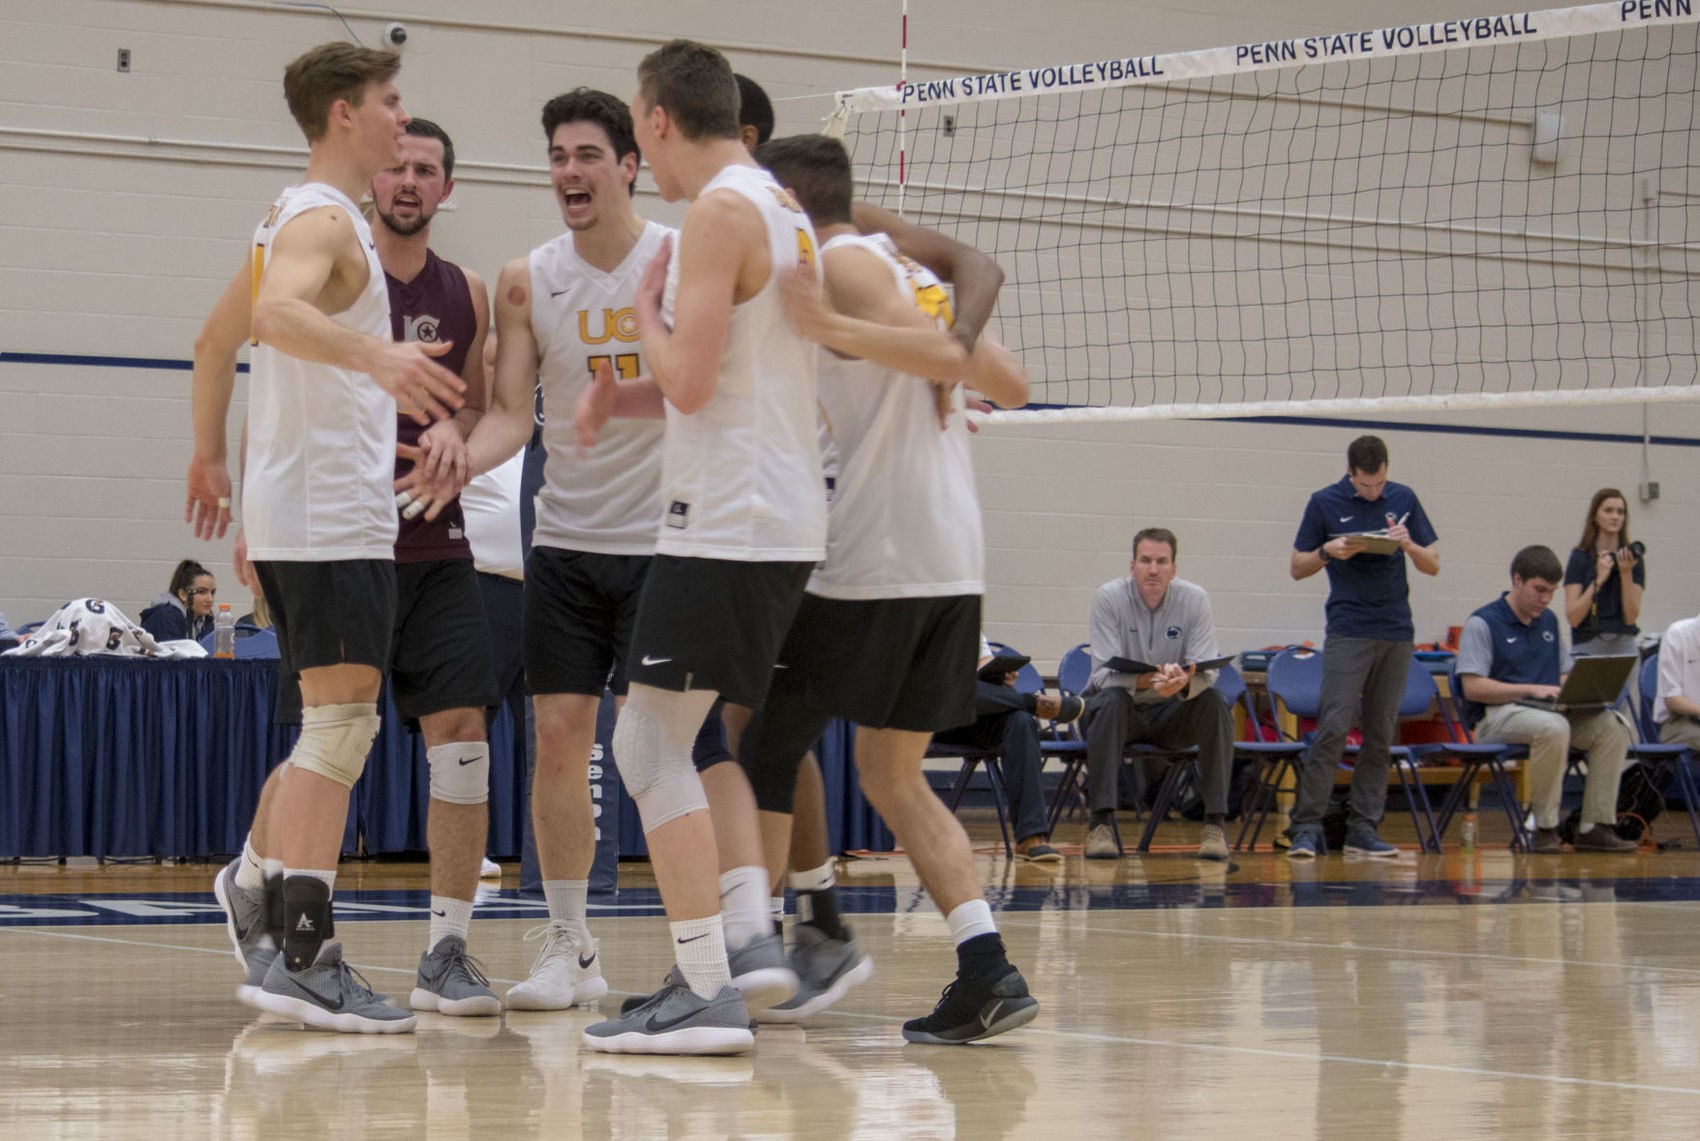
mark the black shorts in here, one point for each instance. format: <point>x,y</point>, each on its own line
<point>893,663</point>
<point>440,657</point>
<point>888,663</point>
<point>327,614</point>
<point>715,624</point>
<point>580,608</point>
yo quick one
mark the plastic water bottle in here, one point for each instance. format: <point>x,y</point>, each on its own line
<point>224,632</point>
<point>1469,831</point>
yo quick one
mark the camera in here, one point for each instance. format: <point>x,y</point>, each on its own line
<point>1638,548</point>
<point>395,34</point>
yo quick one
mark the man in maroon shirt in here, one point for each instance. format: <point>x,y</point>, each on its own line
<point>440,668</point>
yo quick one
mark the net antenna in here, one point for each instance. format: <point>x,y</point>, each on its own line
<point>1491,212</point>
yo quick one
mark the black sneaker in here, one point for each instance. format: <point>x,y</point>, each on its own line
<point>972,1009</point>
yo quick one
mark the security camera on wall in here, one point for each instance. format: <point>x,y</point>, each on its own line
<point>395,34</point>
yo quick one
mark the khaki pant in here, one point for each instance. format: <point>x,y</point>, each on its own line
<point>1550,735</point>
<point>1680,731</point>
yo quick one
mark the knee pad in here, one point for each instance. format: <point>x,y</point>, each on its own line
<point>657,773</point>
<point>335,741</point>
<point>460,772</point>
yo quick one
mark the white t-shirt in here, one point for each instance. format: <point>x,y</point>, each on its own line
<point>605,501</point>
<point>741,476</point>
<point>318,483</point>
<point>490,503</point>
<point>905,520</point>
<point>1679,666</point>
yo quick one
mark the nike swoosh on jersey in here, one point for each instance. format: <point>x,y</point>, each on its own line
<point>649,661</point>
<point>558,292</point>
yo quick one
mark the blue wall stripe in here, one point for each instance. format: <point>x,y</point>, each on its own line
<point>1308,421</point>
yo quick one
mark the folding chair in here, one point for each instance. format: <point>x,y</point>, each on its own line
<point>1656,754</point>
<point>1027,680</point>
<point>1294,681</point>
<point>1475,757</point>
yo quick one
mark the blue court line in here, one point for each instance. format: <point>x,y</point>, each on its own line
<point>84,361</point>
<point>133,908</point>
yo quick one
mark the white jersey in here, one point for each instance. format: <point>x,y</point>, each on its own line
<point>606,501</point>
<point>318,484</point>
<point>741,478</point>
<point>490,503</point>
<point>905,521</point>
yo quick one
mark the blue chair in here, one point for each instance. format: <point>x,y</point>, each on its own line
<point>1294,682</point>
<point>1027,680</point>
<point>1657,755</point>
<point>1475,758</point>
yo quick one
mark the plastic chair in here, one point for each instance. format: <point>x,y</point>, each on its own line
<point>1027,680</point>
<point>1656,754</point>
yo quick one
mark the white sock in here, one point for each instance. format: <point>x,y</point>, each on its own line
<point>699,945</point>
<point>971,919</point>
<point>567,899</point>
<point>776,908</point>
<point>270,868</point>
<point>815,879</point>
<point>449,916</point>
<point>251,872</point>
<point>743,906</point>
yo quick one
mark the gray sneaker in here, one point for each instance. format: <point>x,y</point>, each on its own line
<point>761,974</point>
<point>451,983</point>
<point>329,995</point>
<point>1213,843</point>
<point>675,1021</point>
<point>826,970</point>
<point>245,923</point>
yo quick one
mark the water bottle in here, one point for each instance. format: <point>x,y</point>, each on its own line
<point>1469,831</point>
<point>224,632</point>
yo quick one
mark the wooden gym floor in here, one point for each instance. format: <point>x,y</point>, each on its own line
<point>1441,996</point>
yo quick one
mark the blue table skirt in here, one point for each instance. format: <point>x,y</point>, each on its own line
<point>108,756</point>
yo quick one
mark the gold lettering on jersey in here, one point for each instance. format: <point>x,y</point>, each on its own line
<point>259,266</point>
<point>934,302</point>
<point>785,198</point>
<point>617,325</point>
<point>625,365</point>
<point>805,248</point>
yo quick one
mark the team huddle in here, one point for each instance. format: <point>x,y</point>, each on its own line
<point>706,391</point>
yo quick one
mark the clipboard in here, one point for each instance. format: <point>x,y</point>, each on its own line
<point>1375,542</point>
<point>1129,666</point>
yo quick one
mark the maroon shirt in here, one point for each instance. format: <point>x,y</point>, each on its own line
<point>435,306</point>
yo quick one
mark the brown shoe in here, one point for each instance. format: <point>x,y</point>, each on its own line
<point>1545,842</point>
<point>1603,838</point>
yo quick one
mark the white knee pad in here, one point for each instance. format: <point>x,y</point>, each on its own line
<point>656,771</point>
<point>335,741</point>
<point>460,772</point>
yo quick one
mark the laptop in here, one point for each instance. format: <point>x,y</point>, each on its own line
<point>1595,683</point>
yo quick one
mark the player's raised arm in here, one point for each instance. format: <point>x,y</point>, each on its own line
<point>301,286</point>
<point>975,276</point>
<point>859,314</point>
<point>716,264</point>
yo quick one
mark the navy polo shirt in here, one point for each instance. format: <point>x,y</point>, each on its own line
<point>1368,596</point>
<point>1497,644</point>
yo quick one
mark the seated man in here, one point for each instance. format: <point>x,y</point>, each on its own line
<point>1154,618</point>
<point>1512,650</point>
<point>1676,705</point>
<point>1004,723</point>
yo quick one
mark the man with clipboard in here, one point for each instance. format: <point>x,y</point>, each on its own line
<point>1154,661</point>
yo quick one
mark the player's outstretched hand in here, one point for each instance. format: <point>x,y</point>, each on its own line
<point>418,492</point>
<point>423,389</point>
<point>207,508</point>
<point>595,405</point>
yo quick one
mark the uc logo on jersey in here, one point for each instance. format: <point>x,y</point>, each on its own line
<point>421,328</point>
<point>617,325</point>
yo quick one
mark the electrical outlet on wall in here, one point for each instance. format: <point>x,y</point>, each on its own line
<point>1649,491</point>
<point>123,59</point>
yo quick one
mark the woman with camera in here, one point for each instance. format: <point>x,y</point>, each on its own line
<point>1604,580</point>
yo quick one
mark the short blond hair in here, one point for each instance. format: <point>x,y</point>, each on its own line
<point>313,82</point>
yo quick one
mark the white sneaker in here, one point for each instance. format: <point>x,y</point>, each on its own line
<point>567,971</point>
<point>489,870</point>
